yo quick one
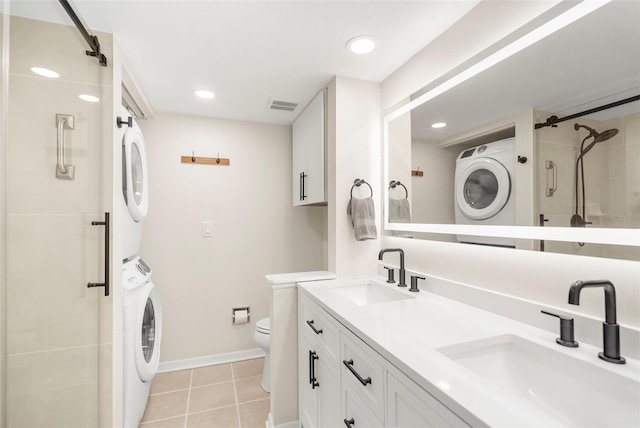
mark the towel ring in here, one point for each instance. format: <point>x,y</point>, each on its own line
<point>393,184</point>
<point>357,183</point>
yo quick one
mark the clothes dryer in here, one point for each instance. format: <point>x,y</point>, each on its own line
<point>134,203</point>
<point>142,337</point>
<point>484,189</point>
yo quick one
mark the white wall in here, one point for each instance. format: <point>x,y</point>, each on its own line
<point>256,229</point>
<point>541,277</point>
<point>353,151</point>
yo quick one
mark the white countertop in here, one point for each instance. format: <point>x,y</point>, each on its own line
<point>409,332</point>
<point>284,280</point>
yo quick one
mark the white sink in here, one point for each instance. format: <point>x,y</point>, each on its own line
<point>573,391</point>
<point>370,293</point>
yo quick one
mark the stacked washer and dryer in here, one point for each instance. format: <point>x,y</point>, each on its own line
<point>142,310</point>
<point>485,189</point>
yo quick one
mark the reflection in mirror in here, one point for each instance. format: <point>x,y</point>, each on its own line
<point>491,164</point>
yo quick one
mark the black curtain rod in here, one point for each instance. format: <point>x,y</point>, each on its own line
<point>92,40</point>
<point>554,120</point>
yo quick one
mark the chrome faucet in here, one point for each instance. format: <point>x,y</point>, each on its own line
<point>610,328</point>
<point>402,281</point>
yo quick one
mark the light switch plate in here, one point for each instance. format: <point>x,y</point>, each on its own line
<point>207,229</point>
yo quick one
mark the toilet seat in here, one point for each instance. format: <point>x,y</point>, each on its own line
<point>263,326</point>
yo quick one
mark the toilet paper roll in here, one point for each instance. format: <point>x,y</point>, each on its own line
<point>241,316</point>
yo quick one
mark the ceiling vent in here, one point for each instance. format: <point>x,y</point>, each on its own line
<point>282,105</point>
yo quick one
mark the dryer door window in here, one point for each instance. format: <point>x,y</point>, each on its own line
<point>134,175</point>
<point>137,176</point>
<point>482,188</point>
<point>148,331</point>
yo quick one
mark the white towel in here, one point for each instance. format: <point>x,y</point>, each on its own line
<point>363,218</point>
<point>400,212</point>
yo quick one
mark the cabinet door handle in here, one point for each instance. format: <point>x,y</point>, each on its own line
<point>303,175</point>
<point>313,356</point>
<point>315,330</point>
<point>349,422</point>
<point>349,365</point>
<point>300,187</point>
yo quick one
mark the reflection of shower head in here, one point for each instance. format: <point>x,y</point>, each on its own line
<point>598,137</point>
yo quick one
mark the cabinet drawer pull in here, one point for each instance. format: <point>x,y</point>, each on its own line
<point>349,365</point>
<point>349,422</point>
<point>315,330</point>
<point>313,356</point>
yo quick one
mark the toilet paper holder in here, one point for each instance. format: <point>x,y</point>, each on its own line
<point>241,315</point>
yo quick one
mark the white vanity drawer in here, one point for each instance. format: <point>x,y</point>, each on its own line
<point>321,329</point>
<point>362,368</point>
<point>355,413</point>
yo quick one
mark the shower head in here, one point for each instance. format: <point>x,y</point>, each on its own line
<point>605,135</point>
<point>598,137</point>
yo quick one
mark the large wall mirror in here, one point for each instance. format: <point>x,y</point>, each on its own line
<point>545,142</point>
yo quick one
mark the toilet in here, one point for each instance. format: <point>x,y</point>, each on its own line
<point>262,338</point>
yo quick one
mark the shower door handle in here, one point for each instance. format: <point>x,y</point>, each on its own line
<point>63,171</point>
<point>549,165</point>
<point>104,284</point>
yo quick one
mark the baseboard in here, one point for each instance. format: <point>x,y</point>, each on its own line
<point>269,423</point>
<point>209,360</point>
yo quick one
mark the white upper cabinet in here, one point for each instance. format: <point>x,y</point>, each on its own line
<point>309,142</point>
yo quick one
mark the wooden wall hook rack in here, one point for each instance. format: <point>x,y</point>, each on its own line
<point>203,160</point>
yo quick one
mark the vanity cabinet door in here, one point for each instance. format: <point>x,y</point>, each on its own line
<point>409,406</point>
<point>318,373</point>
<point>307,392</point>
<point>308,145</point>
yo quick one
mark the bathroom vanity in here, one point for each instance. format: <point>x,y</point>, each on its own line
<point>371,354</point>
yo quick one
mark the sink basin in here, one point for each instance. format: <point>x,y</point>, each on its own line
<point>574,392</point>
<point>367,294</point>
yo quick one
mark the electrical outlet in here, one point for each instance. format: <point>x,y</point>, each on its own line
<point>207,229</point>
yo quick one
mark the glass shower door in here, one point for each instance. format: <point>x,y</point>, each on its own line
<point>56,185</point>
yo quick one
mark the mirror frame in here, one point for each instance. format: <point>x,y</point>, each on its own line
<point>611,236</point>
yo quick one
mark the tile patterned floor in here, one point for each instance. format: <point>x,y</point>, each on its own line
<point>225,396</point>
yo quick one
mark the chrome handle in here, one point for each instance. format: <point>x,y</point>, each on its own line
<point>552,189</point>
<point>349,422</point>
<point>104,284</point>
<point>315,330</point>
<point>63,171</point>
<point>349,365</point>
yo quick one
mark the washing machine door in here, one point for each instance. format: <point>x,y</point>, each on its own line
<point>134,173</point>
<point>482,188</point>
<point>148,333</point>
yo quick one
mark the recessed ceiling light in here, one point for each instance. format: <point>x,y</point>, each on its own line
<point>361,44</point>
<point>45,72</point>
<point>438,125</point>
<point>207,95</point>
<point>89,98</point>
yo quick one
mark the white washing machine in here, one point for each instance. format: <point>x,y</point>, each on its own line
<point>485,189</point>
<point>135,185</point>
<point>142,337</point>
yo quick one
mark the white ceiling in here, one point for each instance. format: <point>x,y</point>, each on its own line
<point>248,52</point>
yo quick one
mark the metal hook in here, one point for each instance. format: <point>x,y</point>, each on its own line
<point>218,158</point>
<point>193,157</point>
